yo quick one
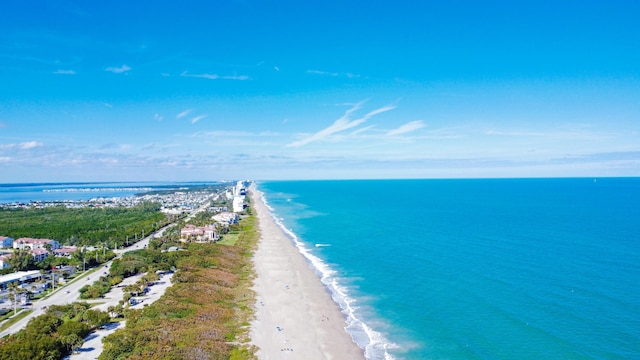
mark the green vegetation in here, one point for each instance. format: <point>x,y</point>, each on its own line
<point>53,335</point>
<point>12,319</point>
<point>87,226</point>
<point>203,315</point>
<point>131,263</point>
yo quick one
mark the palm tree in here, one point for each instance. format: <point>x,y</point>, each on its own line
<point>81,255</point>
<point>11,287</point>
<point>72,341</point>
<point>20,259</point>
<point>14,294</point>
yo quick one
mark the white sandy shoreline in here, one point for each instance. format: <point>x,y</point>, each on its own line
<point>295,315</point>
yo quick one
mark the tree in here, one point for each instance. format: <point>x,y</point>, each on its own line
<point>48,247</point>
<point>20,259</point>
<point>43,324</point>
<point>13,292</point>
<point>71,341</point>
<point>95,318</point>
<point>116,311</point>
<point>80,255</point>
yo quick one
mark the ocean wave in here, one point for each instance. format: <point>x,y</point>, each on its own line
<point>374,343</point>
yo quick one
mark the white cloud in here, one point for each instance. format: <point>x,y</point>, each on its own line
<point>333,74</point>
<point>4,159</point>
<point>118,70</point>
<point>30,145</point>
<point>202,76</point>
<point>216,76</point>
<point>183,114</point>
<point>236,77</point>
<point>198,118</point>
<point>157,117</point>
<point>406,128</point>
<point>223,133</point>
<point>64,72</point>
<point>343,123</point>
<point>359,131</point>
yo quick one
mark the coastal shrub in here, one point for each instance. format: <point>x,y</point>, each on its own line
<point>52,335</point>
<point>36,347</point>
<point>44,324</point>
<point>200,316</point>
<point>73,327</point>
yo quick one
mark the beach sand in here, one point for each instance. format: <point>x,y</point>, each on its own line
<point>295,315</point>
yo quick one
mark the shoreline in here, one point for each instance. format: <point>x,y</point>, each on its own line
<point>295,314</point>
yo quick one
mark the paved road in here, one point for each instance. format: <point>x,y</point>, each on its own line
<point>92,347</point>
<point>70,293</point>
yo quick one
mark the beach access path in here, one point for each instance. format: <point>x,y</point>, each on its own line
<point>296,318</point>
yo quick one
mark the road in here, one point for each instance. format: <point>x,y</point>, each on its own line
<point>70,292</point>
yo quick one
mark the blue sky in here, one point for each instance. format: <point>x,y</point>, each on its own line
<point>208,90</point>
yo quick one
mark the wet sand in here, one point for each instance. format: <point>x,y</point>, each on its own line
<point>295,315</point>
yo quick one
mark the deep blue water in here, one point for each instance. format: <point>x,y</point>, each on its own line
<point>476,269</point>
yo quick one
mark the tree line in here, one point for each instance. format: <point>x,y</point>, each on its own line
<point>116,226</point>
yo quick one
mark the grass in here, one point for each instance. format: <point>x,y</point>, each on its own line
<point>14,319</point>
<point>207,310</point>
<point>229,239</point>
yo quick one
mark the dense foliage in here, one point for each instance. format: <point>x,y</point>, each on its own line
<point>86,226</point>
<point>131,263</point>
<point>203,315</point>
<point>53,335</point>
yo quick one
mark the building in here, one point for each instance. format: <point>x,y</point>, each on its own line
<point>20,276</point>
<point>4,261</point>
<point>238,204</point>
<point>6,242</point>
<point>39,254</point>
<point>198,233</point>
<point>226,218</point>
<point>29,243</point>
<point>66,251</point>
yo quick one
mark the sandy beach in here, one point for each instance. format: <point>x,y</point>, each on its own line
<point>295,315</point>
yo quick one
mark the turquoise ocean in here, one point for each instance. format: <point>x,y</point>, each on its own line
<point>475,269</point>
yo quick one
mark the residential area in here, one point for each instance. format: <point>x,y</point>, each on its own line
<point>34,267</point>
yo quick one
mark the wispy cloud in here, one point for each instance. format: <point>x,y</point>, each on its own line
<point>360,131</point>
<point>4,159</point>
<point>118,70</point>
<point>198,118</point>
<point>236,77</point>
<point>157,117</point>
<point>30,145</point>
<point>64,72</point>
<point>343,123</point>
<point>223,133</point>
<point>216,76</point>
<point>407,128</point>
<point>333,74</point>
<point>183,114</point>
